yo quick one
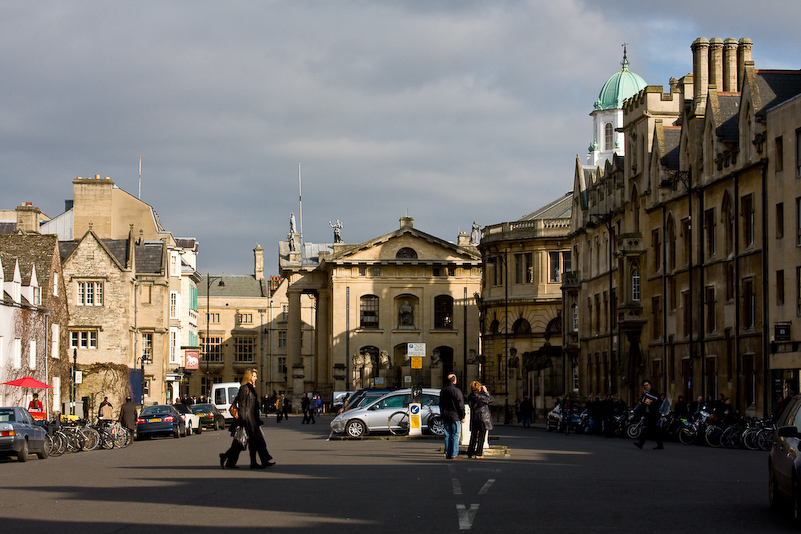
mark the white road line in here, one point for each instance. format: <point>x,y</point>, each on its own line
<point>466,516</point>
<point>485,488</point>
<point>457,488</point>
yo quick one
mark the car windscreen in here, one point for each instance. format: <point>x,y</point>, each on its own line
<point>202,408</point>
<point>7,416</point>
<point>155,410</point>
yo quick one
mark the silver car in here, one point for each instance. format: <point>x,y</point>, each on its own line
<point>19,435</point>
<point>374,416</point>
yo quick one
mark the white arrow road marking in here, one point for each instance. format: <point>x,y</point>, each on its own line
<point>457,487</point>
<point>485,488</point>
<point>466,516</point>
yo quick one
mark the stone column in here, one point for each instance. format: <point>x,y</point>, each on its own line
<point>294,359</point>
<point>324,363</point>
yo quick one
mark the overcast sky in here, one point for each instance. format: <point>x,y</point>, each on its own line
<point>450,111</point>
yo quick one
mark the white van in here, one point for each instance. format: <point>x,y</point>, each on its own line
<point>223,395</point>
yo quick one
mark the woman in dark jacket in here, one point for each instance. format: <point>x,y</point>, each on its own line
<point>247,404</point>
<point>480,418</point>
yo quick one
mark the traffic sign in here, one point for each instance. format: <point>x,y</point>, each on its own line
<point>416,350</point>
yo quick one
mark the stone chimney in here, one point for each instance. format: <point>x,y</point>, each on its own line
<point>28,218</point>
<point>463,239</point>
<point>406,222</point>
<point>716,63</point>
<point>258,260</point>
<point>700,48</point>
<point>743,57</point>
<point>730,75</point>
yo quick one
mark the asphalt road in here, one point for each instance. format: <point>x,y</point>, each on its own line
<point>547,483</point>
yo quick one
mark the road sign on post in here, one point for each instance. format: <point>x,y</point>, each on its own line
<point>417,351</point>
<point>415,426</point>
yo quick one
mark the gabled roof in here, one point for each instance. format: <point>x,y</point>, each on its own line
<point>774,87</point>
<point>724,114</point>
<point>31,251</point>
<point>117,249</point>
<point>467,252</point>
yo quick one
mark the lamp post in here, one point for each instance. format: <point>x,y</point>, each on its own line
<point>209,280</point>
<point>607,220</point>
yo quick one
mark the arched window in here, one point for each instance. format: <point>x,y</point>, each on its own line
<point>608,142</point>
<point>574,309</point>
<point>635,284</point>
<point>368,311</point>
<point>443,311</point>
<point>406,253</point>
<point>495,327</point>
<point>521,326</point>
<point>728,223</point>
<point>671,243</point>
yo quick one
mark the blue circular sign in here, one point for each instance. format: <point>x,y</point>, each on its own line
<point>415,410</point>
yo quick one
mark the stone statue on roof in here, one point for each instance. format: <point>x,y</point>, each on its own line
<point>474,235</point>
<point>337,231</point>
<point>292,223</point>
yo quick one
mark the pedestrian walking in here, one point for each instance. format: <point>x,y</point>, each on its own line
<point>480,418</point>
<point>106,410</point>
<point>246,405</point>
<point>451,409</point>
<point>648,408</point>
<point>128,415</point>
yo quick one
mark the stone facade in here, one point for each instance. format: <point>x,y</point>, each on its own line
<point>682,221</point>
<point>374,298</point>
<point>524,263</point>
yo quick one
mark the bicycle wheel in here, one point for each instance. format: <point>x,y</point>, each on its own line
<point>91,438</point>
<point>750,439</point>
<point>59,443</point>
<point>398,423</point>
<point>687,435</point>
<point>712,436</point>
<point>48,444</point>
<point>765,439</point>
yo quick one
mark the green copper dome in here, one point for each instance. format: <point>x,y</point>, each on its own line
<point>619,87</point>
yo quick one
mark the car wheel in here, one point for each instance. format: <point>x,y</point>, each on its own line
<point>199,428</point>
<point>176,432</point>
<point>355,428</point>
<point>216,425</point>
<point>22,456</point>
<point>189,430</point>
<point>43,454</point>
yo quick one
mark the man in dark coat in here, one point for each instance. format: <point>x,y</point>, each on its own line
<point>648,408</point>
<point>128,415</point>
<point>451,408</point>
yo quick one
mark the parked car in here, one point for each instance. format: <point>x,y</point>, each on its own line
<point>210,416</point>
<point>373,416</point>
<point>161,420</point>
<point>784,462</point>
<point>191,419</point>
<point>19,435</point>
<point>364,396</point>
<point>553,419</point>
<point>222,397</point>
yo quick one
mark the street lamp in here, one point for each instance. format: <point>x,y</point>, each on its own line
<point>607,220</point>
<point>209,280</point>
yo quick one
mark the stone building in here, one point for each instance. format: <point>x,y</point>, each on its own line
<point>132,289</point>
<point>520,307</point>
<point>374,298</point>
<point>244,325</point>
<point>33,319</point>
<point>672,240</point>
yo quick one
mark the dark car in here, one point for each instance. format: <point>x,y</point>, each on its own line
<point>19,435</point>
<point>210,416</point>
<point>784,462</point>
<point>160,420</point>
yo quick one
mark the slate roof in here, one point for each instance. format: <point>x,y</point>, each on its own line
<point>149,258</point>
<point>672,138</point>
<point>236,285</point>
<point>30,249</point>
<point>729,105</point>
<point>7,227</point>
<point>777,86</point>
<point>561,208</point>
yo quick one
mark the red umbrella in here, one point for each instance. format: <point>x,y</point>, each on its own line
<point>27,382</point>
